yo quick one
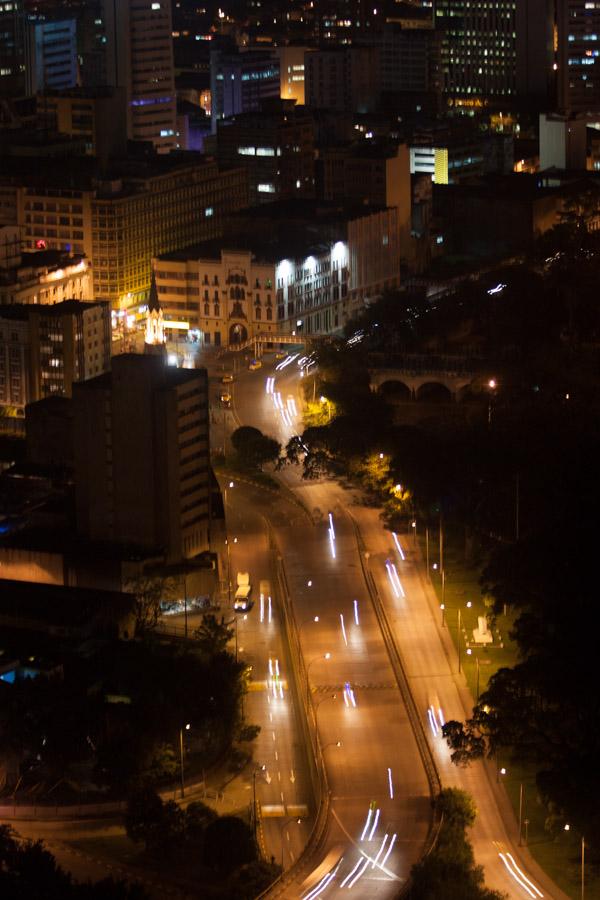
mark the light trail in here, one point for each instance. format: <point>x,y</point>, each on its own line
<point>398,547</point>
<point>380,851</point>
<point>270,611</point>
<point>285,362</point>
<point>432,722</point>
<point>524,876</point>
<point>524,882</point>
<point>332,543</point>
<point>331,528</point>
<point>356,612</point>
<point>322,884</point>
<point>397,580</point>
<point>262,607</point>
<point>391,578</point>
<point>367,823</point>
<point>350,874</point>
<point>389,850</point>
<point>359,874</point>
<point>349,697</point>
<point>343,629</point>
<point>374,827</point>
<point>270,384</point>
<point>391,784</point>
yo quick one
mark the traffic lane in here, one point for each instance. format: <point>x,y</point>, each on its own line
<point>284,782</point>
<point>371,732</point>
<point>433,682</point>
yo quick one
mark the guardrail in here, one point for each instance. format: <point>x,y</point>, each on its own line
<point>433,777</point>
<point>308,722</point>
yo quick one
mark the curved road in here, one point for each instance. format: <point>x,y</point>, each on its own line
<point>376,735</point>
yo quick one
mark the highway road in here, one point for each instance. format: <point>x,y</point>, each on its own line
<point>376,735</point>
<point>380,795</point>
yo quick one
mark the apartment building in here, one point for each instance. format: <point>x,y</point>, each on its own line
<point>44,350</point>
<point>142,470</point>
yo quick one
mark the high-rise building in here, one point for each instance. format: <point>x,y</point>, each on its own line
<point>240,81</point>
<point>342,79</point>
<point>577,57</point>
<point>142,473</point>
<point>12,62</point>
<point>44,350</point>
<point>140,59</point>
<point>276,146</point>
<point>479,50</point>
<point>50,55</point>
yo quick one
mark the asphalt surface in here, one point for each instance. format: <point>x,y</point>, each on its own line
<point>376,735</point>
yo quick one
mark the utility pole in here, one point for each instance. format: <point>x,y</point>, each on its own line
<point>517,505</point>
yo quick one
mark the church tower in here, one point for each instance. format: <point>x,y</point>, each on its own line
<point>155,329</point>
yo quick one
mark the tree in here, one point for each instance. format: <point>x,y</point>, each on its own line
<point>29,872</point>
<point>213,635</point>
<point>198,817</point>
<point>228,844</point>
<point>449,871</point>
<point>254,448</point>
<point>156,824</point>
<point>251,879</point>
<point>148,592</point>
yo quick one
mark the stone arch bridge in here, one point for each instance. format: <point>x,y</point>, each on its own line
<point>420,377</point>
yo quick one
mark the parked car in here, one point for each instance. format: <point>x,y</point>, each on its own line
<point>226,400</point>
<point>255,364</point>
<point>227,379</point>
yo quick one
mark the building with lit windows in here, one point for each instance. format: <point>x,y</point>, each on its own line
<point>479,50</point>
<point>44,277</point>
<point>577,57</point>
<point>142,464</point>
<point>120,218</point>
<point>240,81</point>
<point>44,350</point>
<point>276,146</point>
<point>50,55</point>
<point>291,69</point>
<point>12,60</point>
<point>139,58</point>
<point>308,272</point>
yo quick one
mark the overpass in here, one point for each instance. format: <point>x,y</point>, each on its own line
<point>413,376</point>
<point>258,341</point>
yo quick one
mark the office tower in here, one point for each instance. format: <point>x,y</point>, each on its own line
<point>44,350</point>
<point>276,146</point>
<point>342,79</point>
<point>239,82</point>
<point>577,58</point>
<point>50,55</point>
<point>291,69</point>
<point>140,59</point>
<point>142,471</point>
<point>479,50</point>
<point>12,63</point>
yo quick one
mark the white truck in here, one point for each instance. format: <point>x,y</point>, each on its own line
<point>242,601</point>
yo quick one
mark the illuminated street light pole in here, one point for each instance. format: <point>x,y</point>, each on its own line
<point>325,400</point>
<point>284,828</point>
<point>187,728</point>
<point>311,663</point>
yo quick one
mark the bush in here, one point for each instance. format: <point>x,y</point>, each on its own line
<point>228,844</point>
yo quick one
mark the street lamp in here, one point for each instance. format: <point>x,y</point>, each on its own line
<point>492,385</point>
<point>325,400</point>
<point>311,663</point>
<point>470,653</point>
<point>568,828</point>
<point>230,485</point>
<point>187,727</point>
<point>255,772</point>
<point>322,700</point>
<point>413,525</point>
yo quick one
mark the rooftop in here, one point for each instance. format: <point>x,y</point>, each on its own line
<point>22,311</point>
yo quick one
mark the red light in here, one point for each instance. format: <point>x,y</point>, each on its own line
<point>40,245</point>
